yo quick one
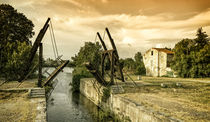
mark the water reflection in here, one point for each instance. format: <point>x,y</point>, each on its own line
<point>65,106</point>
<point>94,111</point>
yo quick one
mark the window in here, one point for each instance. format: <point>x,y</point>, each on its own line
<point>151,52</point>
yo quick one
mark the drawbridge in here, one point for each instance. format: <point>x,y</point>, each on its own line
<point>115,72</point>
<point>38,45</point>
<point>113,58</point>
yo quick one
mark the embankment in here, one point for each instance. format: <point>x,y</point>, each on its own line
<point>110,101</point>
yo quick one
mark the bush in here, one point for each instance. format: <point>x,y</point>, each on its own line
<point>76,82</point>
<point>168,74</point>
<point>78,73</point>
<point>17,61</point>
<point>106,94</point>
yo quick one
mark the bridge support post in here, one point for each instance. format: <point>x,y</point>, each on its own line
<point>40,65</point>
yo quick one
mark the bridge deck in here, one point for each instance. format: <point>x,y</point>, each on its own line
<point>55,72</point>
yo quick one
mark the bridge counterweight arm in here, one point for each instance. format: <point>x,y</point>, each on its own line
<point>112,42</point>
<point>101,40</point>
<point>34,49</point>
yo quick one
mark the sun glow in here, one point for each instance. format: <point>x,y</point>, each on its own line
<point>127,40</point>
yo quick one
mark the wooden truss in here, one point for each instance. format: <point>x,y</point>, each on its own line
<point>113,58</point>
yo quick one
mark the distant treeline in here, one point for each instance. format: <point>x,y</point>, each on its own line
<point>91,52</point>
<point>54,63</point>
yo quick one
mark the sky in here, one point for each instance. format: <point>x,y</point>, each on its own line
<point>135,25</point>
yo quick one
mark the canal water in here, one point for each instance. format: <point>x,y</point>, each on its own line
<point>65,106</point>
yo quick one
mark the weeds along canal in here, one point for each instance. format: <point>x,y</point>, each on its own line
<point>65,106</point>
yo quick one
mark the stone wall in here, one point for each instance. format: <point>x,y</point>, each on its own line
<point>156,64</point>
<point>124,108</point>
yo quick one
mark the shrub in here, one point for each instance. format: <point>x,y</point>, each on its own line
<point>106,94</point>
<point>78,73</point>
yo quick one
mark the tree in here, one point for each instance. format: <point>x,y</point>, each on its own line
<point>17,60</point>
<point>15,29</point>
<point>182,61</point>
<point>90,52</point>
<point>201,40</point>
<point>51,63</point>
<point>134,66</point>
<point>140,68</point>
<point>192,56</point>
<point>129,64</point>
<point>14,26</point>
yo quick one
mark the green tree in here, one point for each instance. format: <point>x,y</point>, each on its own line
<point>204,61</point>
<point>90,52</point>
<point>191,57</point>
<point>15,29</point>
<point>201,40</point>
<point>135,65</point>
<point>140,68</point>
<point>51,62</point>
<point>14,26</point>
<point>16,61</point>
<point>129,64</point>
<point>182,61</point>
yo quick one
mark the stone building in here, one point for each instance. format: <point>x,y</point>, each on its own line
<point>157,61</point>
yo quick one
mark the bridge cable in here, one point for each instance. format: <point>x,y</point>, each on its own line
<point>31,71</point>
<point>131,78</point>
<point>56,49</point>
<point>52,41</point>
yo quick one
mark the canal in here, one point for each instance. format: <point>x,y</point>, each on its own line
<point>65,106</point>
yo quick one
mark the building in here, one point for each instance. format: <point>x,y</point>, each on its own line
<point>157,61</point>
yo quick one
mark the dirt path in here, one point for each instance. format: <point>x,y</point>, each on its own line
<point>15,105</point>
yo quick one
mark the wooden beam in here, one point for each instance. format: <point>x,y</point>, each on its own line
<point>101,40</point>
<point>34,49</point>
<point>40,64</point>
<point>55,73</point>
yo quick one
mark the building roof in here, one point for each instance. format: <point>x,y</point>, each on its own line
<point>165,50</point>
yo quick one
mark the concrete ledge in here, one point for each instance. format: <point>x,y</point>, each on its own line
<point>120,106</point>
<point>15,90</point>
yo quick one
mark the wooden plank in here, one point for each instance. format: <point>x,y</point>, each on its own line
<point>55,72</point>
<point>95,73</point>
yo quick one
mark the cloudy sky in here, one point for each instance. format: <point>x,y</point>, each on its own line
<point>135,25</point>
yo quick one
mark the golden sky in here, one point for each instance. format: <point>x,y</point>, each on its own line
<point>135,25</point>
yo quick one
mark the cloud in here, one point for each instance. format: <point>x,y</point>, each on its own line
<point>133,26</point>
<point>104,1</point>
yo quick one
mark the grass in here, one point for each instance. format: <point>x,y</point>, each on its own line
<point>190,101</point>
<point>14,84</point>
<point>16,107</point>
<point>15,104</point>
